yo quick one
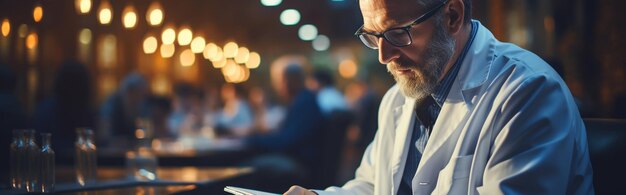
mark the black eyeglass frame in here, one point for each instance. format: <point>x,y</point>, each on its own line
<point>406,28</point>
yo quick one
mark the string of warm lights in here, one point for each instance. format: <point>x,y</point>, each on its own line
<point>235,61</point>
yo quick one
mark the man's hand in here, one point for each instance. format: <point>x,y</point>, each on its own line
<point>297,190</point>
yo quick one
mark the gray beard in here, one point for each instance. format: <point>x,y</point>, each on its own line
<point>426,79</point>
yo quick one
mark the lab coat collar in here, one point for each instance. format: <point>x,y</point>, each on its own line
<point>463,94</point>
<point>476,66</point>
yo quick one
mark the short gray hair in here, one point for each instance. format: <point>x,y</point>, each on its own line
<point>467,16</point>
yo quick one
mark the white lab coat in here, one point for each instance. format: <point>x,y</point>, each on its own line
<point>509,125</point>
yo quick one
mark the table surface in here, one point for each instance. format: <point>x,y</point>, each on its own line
<point>114,180</point>
<point>181,147</point>
<point>185,151</point>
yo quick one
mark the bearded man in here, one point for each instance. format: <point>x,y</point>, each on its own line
<point>469,114</point>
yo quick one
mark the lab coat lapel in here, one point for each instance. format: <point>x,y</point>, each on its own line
<point>402,128</point>
<point>459,103</point>
<point>445,131</point>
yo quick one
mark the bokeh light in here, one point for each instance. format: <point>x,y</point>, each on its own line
<point>210,50</point>
<point>150,45</point>
<point>321,43</point>
<point>22,31</point>
<point>184,36</point>
<point>83,6</point>
<point>84,36</point>
<point>167,50</point>
<point>230,50</point>
<point>219,55</point>
<point>154,16</point>
<point>37,13</point>
<point>242,55</point>
<point>105,14</point>
<point>307,32</point>
<point>347,69</point>
<point>219,63</point>
<point>32,40</point>
<point>234,73</point>
<point>197,45</point>
<point>6,27</point>
<point>230,70</point>
<point>168,36</point>
<point>253,61</point>
<point>290,17</point>
<point>270,3</point>
<point>187,58</point>
<point>130,17</point>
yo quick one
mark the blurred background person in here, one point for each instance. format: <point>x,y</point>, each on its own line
<point>364,103</point>
<point>12,116</point>
<point>291,151</point>
<point>68,108</point>
<point>210,104</point>
<point>158,111</point>
<point>235,117</point>
<point>186,118</point>
<point>119,113</point>
<point>339,118</point>
<point>328,97</point>
<point>267,115</point>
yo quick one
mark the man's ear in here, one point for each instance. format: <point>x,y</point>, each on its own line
<point>455,11</point>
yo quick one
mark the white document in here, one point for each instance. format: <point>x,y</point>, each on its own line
<point>244,191</point>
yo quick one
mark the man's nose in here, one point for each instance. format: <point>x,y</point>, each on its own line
<point>387,52</point>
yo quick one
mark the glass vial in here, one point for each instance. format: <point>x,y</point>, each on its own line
<point>17,156</point>
<point>31,152</point>
<point>92,164</point>
<point>85,161</point>
<point>47,164</point>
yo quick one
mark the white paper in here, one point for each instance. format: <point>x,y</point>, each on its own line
<point>244,191</point>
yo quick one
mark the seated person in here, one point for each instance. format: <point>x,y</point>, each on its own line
<point>294,142</point>
<point>119,113</point>
<point>469,114</point>
<point>235,118</point>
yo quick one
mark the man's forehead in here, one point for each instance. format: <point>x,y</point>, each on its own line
<point>386,13</point>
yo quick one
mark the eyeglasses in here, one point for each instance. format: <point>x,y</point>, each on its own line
<point>400,36</point>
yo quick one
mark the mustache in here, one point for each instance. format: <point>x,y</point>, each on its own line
<point>401,64</point>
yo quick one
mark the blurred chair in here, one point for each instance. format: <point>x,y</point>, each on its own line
<point>332,145</point>
<point>607,147</point>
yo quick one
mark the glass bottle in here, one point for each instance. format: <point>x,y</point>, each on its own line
<point>78,157</point>
<point>31,160</point>
<point>141,163</point>
<point>47,164</point>
<point>91,157</point>
<point>85,161</point>
<point>17,155</point>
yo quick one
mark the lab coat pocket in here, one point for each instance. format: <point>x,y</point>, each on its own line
<point>453,179</point>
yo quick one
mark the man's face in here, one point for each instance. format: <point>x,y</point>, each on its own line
<point>418,67</point>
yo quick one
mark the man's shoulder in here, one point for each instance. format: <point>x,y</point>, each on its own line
<point>514,62</point>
